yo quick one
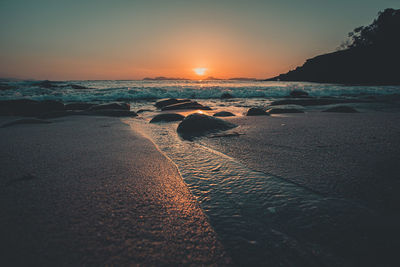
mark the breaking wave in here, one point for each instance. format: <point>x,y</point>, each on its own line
<point>85,91</point>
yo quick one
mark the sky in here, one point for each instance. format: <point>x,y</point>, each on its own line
<point>129,39</point>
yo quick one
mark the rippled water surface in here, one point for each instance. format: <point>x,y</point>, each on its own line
<point>145,90</point>
<point>265,220</point>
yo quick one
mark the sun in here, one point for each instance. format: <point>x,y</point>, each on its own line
<point>200,71</point>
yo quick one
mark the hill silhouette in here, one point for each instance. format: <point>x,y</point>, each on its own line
<point>370,55</point>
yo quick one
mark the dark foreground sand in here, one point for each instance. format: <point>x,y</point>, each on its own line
<point>90,191</point>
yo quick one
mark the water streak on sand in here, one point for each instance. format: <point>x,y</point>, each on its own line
<point>261,218</point>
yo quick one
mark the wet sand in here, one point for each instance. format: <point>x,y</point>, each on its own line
<point>351,157</point>
<point>355,156</point>
<point>91,191</point>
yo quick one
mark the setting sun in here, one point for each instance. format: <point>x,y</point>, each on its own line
<point>200,71</point>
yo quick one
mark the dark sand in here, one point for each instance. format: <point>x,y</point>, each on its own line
<point>90,191</point>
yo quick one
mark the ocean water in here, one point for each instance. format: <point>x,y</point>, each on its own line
<point>132,91</point>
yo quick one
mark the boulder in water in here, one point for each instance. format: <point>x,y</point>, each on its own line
<point>256,112</point>
<point>47,84</point>
<point>143,110</point>
<point>112,106</point>
<point>110,113</point>
<point>4,86</point>
<point>197,124</point>
<point>78,106</point>
<point>170,101</point>
<point>341,109</point>
<point>298,94</point>
<point>186,105</point>
<point>76,86</point>
<point>224,114</point>
<point>316,101</point>
<point>226,95</point>
<point>167,117</point>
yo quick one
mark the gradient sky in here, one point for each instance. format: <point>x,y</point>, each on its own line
<point>128,39</point>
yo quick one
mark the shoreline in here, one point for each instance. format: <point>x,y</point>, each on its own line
<point>90,190</point>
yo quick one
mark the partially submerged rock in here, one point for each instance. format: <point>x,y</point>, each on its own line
<point>24,121</point>
<point>186,105</point>
<point>111,106</point>
<point>223,114</point>
<point>47,84</point>
<point>167,117</point>
<point>110,113</point>
<point>4,86</point>
<point>143,110</point>
<point>76,86</point>
<point>78,106</point>
<point>298,94</point>
<point>226,95</point>
<point>284,110</point>
<point>315,101</point>
<point>197,124</point>
<point>28,107</point>
<point>341,109</point>
<point>170,101</point>
<point>256,112</point>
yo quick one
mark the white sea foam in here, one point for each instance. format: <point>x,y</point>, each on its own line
<point>144,90</point>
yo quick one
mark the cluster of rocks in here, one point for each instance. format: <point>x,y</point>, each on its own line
<point>54,109</point>
<point>301,99</point>
<point>195,124</point>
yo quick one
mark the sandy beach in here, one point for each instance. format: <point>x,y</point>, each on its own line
<point>92,191</point>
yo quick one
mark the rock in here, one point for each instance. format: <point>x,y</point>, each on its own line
<point>78,106</point>
<point>143,110</point>
<point>170,101</point>
<point>46,84</point>
<point>226,95</point>
<point>167,117</point>
<point>109,113</point>
<point>298,94</point>
<point>283,110</point>
<point>4,86</point>
<point>76,86</point>
<point>186,105</point>
<point>24,121</point>
<point>256,112</point>
<point>341,109</point>
<point>315,101</point>
<point>112,106</point>
<point>197,124</point>
<point>27,107</point>
<point>223,114</point>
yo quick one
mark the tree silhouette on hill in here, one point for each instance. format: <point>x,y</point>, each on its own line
<point>370,55</point>
<point>384,31</point>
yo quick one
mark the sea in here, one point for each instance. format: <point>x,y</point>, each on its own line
<point>144,90</point>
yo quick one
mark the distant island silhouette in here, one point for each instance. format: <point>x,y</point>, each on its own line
<point>209,78</point>
<point>370,55</point>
